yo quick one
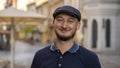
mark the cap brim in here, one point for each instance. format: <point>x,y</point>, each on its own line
<point>65,12</point>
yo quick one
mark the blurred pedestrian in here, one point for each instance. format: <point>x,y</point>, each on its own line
<point>65,52</point>
<point>36,37</point>
<point>1,41</point>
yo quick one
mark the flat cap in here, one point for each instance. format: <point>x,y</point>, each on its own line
<point>68,10</point>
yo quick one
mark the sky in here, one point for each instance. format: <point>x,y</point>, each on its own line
<point>21,4</point>
<point>2,3</point>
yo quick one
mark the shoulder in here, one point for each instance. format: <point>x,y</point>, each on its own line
<point>39,55</point>
<point>87,52</point>
<point>90,58</point>
<point>42,52</point>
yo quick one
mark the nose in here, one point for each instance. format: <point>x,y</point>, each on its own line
<point>64,24</point>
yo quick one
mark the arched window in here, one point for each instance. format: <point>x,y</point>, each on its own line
<point>84,25</point>
<point>108,33</point>
<point>94,34</point>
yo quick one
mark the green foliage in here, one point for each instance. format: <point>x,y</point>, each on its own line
<point>29,28</point>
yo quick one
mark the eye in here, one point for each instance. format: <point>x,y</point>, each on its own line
<point>71,21</point>
<point>59,20</point>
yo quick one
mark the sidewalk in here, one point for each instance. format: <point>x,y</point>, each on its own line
<point>110,59</point>
<point>24,54</point>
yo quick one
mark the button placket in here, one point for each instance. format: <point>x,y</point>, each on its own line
<point>59,65</point>
<point>60,59</point>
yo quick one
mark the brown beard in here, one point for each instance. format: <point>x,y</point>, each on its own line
<point>65,38</point>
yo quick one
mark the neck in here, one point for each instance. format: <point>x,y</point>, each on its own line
<point>64,46</point>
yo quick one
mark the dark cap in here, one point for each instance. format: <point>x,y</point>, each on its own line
<point>68,10</point>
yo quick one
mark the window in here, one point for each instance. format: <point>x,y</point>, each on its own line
<point>84,21</point>
<point>107,32</point>
<point>94,34</point>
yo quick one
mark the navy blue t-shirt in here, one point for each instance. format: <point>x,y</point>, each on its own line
<point>76,57</point>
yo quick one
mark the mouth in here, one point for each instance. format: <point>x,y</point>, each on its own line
<point>64,30</point>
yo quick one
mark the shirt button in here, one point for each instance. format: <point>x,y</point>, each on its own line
<point>59,65</point>
<point>61,57</point>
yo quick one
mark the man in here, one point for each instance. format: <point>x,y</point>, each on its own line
<point>65,52</point>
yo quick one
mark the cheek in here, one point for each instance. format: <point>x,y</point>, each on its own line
<point>73,26</point>
<point>57,26</point>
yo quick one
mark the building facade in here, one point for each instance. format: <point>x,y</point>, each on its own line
<point>100,22</point>
<point>101,25</point>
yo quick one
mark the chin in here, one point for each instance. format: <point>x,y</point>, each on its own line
<point>64,37</point>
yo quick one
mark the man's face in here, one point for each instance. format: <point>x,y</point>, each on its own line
<point>65,27</point>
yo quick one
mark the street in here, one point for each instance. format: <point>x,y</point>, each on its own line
<point>24,54</point>
<point>110,60</point>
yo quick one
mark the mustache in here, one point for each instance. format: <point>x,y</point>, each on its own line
<point>63,28</point>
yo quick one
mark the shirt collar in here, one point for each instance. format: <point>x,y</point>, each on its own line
<point>74,48</point>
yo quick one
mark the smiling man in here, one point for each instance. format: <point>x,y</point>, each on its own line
<point>65,52</point>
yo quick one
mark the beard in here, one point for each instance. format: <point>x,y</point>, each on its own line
<point>65,38</point>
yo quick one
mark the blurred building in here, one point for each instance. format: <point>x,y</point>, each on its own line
<point>11,3</point>
<point>101,24</point>
<point>100,21</point>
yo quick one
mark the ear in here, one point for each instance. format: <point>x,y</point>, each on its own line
<point>78,25</point>
<point>53,22</point>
